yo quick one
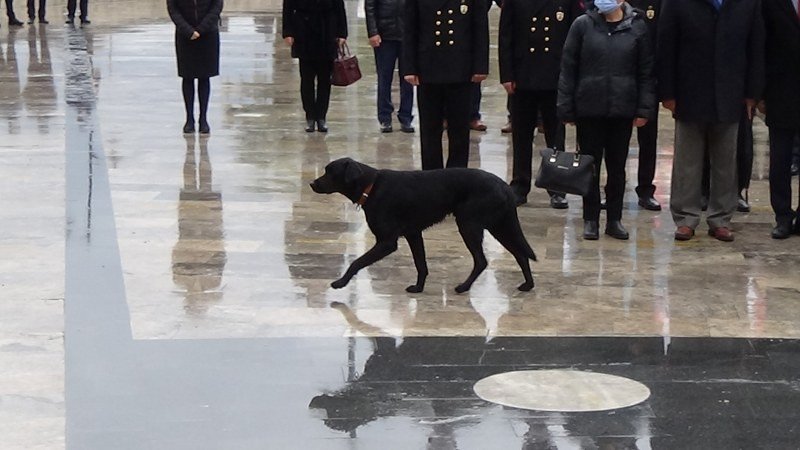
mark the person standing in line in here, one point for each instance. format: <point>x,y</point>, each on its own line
<point>385,30</point>
<point>532,36</point>
<point>32,11</point>
<point>445,50</point>
<point>315,30</point>
<point>475,122</point>
<point>606,87</point>
<point>710,66</point>
<point>782,108</point>
<point>197,50</point>
<point>72,7</point>
<point>12,18</point>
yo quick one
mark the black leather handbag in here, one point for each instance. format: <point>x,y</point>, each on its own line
<point>568,172</point>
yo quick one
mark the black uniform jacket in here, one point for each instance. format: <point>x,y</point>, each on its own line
<point>315,25</point>
<point>782,93</point>
<point>651,9</point>
<point>710,60</point>
<point>446,41</point>
<point>532,35</point>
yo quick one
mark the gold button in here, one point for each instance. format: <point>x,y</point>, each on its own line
<point>449,31</point>
<point>546,49</point>
<point>438,13</point>
<point>533,29</point>
<point>535,19</point>
<point>450,22</point>
<point>533,49</point>
<point>438,32</point>
<point>546,28</point>
<point>438,22</point>
<point>449,11</point>
<point>547,19</point>
<point>546,39</point>
<point>451,42</point>
<point>438,43</point>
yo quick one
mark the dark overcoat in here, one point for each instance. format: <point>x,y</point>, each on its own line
<point>709,60</point>
<point>532,35</point>
<point>782,93</point>
<point>197,58</point>
<point>315,26</point>
<point>445,41</point>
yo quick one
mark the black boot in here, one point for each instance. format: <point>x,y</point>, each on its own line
<point>322,126</point>
<point>591,230</point>
<point>188,127</point>
<point>204,127</point>
<point>310,126</point>
<point>615,229</point>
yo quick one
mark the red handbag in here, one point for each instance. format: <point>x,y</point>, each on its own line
<point>345,68</point>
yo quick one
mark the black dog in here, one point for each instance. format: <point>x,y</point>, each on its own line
<point>403,203</point>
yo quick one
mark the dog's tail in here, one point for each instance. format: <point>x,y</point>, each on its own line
<point>509,233</point>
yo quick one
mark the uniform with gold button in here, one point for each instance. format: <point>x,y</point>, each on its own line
<point>446,43</point>
<point>532,34</point>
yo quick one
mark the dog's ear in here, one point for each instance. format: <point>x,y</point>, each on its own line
<point>352,172</point>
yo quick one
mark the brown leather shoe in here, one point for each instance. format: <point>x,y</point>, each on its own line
<point>683,233</point>
<point>506,128</point>
<point>721,234</point>
<point>477,125</point>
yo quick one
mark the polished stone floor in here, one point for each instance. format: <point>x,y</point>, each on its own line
<point>167,291</point>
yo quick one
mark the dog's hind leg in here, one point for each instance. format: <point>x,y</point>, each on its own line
<point>417,246</point>
<point>380,250</point>
<point>473,238</point>
<point>510,236</point>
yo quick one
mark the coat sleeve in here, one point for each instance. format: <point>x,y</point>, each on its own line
<point>647,103</point>
<point>568,78</point>
<point>370,13</point>
<point>667,51</point>
<point>341,20</point>
<point>211,19</point>
<point>410,57</point>
<point>286,14</point>
<point>183,27</point>
<point>505,47</point>
<point>756,76</point>
<point>480,38</point>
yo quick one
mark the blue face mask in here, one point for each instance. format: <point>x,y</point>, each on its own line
<point>606,6</point>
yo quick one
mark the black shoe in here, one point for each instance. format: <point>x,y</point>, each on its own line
<point>204,128</point>
<point>782,231</point>
<point>615,229</point>
<point>386,127</point>
<point>30,20</point>
<point>742,205</point>
<point>591,230</point>
<point>797,226</point>
<point>70,20</point>
<point>43,21</point>
<point>603,204</point>
<point>188,127</point>
<point>310,126</point>
<point>520,199</point>
<point>406,127</point>
<point>649,203</point>
<point>12,21</point>
<point>557,201</point>
<point>322,126</point>
<point>704,203</point>
<point>85,21</point>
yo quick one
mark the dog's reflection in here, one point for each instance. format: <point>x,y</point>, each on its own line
<point>198,258</point>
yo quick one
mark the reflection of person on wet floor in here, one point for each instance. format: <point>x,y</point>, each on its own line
<point>72,7</point>
<point>32,11</point>
<point>12,18</point>
<point>197,50</point>
<point>315,29</point>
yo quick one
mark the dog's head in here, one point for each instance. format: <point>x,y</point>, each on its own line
<point>342,176</point>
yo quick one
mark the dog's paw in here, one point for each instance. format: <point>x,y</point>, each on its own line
<point>463,287</point>
<point>525,287</point>
<point>340,283</point>
<point>414,289</point>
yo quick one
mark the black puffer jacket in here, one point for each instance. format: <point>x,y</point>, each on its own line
<point>605,73</point>
<point>385,17</point>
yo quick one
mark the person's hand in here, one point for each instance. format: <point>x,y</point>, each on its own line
<point>412,79</point>
<point>195,36</point>
<point>762,107</point>
<point>510,86</point>
<point>478,77</point>
<point>289,40</point>
<point>375,41</point>
<point>639,122</point>
<point>750,104</point>
<point>669,104</point>
<point>341,41</point>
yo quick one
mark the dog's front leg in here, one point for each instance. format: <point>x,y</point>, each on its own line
<point>417,246</point>
<point>380,250</point>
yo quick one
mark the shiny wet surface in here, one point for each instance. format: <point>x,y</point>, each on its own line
<point>193,310</point>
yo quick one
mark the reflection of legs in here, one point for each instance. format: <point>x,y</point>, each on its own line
<point>417,246</point>
<point>687,173</point>
<point>430,101</point>
<point>722,158</point>
<point>457,111</point>
<point>203,93</point>
<point>187,86</point>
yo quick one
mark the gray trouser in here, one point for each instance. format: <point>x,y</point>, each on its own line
<point>692,139</point>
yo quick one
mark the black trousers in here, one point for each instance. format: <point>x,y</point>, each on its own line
<point>84,4</point>
<point>436,103</point>
<point>315,87</point>
<point>32,9</point>
<point>525,108</point>
<point>648,152</point>
<point>605,139</point>
<point>744,157</point>
<point>781,143</point>
<point>10,9</point>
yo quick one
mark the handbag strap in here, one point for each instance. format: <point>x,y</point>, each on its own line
<point>344,50</point>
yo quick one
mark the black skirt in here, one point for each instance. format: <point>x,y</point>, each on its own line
<point>198,58</point>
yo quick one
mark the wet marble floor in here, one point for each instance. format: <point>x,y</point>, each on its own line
<point>170,291</point>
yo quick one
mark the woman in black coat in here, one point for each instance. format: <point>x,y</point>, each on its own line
<point>606,87</point>
<point>315,29</point>
<point>197,49</point>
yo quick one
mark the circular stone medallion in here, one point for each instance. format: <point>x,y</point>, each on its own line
<point>561,390</point>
